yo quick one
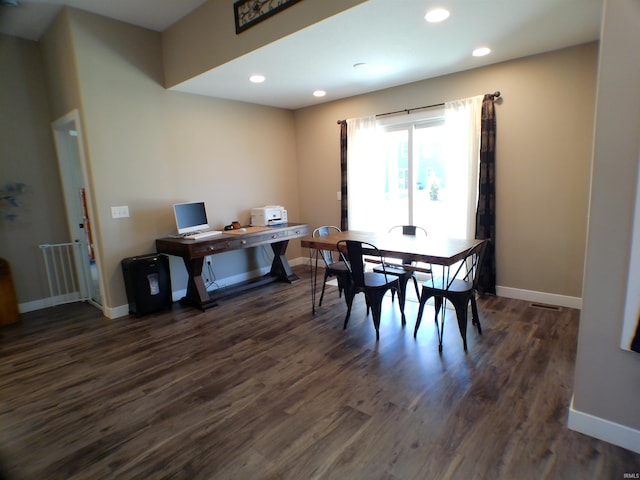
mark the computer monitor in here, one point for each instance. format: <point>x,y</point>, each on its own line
<point>190,217</point>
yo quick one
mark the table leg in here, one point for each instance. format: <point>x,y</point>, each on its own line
<point>197,294</point>
<point>280,266</point>
<point>314,278</point>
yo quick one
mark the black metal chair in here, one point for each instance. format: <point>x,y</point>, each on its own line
<point>373,285</point>
<point>333,267</point>
<point>406,269</point>
<point>459,288</point>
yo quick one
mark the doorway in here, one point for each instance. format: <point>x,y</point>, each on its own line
<point>67,133</point>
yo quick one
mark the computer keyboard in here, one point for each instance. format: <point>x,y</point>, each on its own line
<point>201,235</point>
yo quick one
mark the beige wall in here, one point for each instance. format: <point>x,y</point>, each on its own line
<point>207,38</point>
<point>607,381</point>
<point>148,148</point>
<point>27,155</point>
<point>60,67</point>
<point>544,132</point>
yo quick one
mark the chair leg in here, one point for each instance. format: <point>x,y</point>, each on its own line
<point>349,294</point>
<point>423,301</point>
<point>402,282</point>
<point>402,295</point>
<point>321,295</point>
<point>375,299</point>
<point>439,325</point>
<point>415,284</point>
<point>324,284</point>
<point>346,318</point>
<point>461,314</point>
<point>474,311</point>
<point>376,321</point>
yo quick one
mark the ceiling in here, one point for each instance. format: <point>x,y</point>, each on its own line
<point>32,17</point>
<point>391,36</point>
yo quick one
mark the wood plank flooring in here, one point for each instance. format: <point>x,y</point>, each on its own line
<point>259,388</point>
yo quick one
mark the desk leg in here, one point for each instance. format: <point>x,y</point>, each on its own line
<point>314,278</point>
<point>280,266</point>
<point>197,294</point>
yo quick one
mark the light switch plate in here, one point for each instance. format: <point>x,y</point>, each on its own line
<point>120,212</point>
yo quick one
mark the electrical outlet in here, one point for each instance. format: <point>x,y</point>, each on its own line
<point>339,196</point>
<point>120,212</point>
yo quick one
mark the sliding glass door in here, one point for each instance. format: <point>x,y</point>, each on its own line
<point>419,169</point>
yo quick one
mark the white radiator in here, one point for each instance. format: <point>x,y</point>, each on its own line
<point>66,267</point>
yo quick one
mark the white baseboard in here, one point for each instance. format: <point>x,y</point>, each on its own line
<point>294,262</point>
<point>35,305</point>
<point>540,297</point>
<point>48,302</point>
<point>116,312</point>
<point>605,430</point>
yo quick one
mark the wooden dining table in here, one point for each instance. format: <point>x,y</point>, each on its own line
<point>432,249</point>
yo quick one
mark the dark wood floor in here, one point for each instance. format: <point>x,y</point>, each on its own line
<point>258,388</point>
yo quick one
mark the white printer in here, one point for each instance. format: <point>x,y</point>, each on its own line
<point>268,215</point>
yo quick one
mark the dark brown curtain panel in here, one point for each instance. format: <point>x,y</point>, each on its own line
<point>344,218</point>
<point>486,212</point>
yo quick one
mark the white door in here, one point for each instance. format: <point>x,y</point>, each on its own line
<point>68,138</point>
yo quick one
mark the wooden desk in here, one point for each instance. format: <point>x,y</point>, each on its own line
<point>431,249</point>
<point>193,253</point>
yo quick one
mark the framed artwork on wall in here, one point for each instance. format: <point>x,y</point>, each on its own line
<point>249,12</point>
<point>631,323</point>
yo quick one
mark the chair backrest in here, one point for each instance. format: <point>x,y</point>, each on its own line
<point>412,230</point>
<point>472,263</point>
<point>409,229</point>
<point>324,231</point>
<point>479,262</point>
<point>352,252</point>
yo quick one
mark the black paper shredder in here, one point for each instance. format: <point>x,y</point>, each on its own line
<point>147,280</point>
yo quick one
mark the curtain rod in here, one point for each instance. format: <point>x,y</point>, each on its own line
<point>409,110</point>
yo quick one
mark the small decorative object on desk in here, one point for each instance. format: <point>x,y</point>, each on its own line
<point>235,225</point>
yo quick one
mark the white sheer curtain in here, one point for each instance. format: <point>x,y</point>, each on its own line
<point>462,157</point>
<point>365,172</point>
<point>370,178</point>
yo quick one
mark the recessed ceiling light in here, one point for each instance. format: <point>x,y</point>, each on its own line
<point>360,65</point>
<point>257,78</point>
<point>436,15</point>
<point>319,93</point>
<point>481,52</point>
